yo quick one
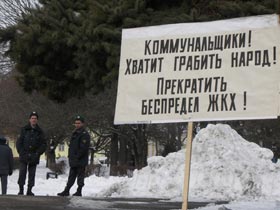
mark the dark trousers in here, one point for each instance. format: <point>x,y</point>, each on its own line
<point>4,183</point>
<point>31,174</point>
<point>76,172</point>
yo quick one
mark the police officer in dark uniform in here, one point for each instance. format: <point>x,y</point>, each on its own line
<point>31,144</point>
<point>78,157</point>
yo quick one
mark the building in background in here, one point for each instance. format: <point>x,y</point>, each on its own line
<point>60,151</point>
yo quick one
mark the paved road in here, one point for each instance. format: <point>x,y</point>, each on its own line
<point>13,202</point>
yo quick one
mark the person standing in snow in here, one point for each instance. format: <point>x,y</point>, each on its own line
<point>78,157</point>
<point>6,163</point>
<point>30,145</point>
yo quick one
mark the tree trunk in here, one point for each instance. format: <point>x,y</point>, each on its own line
<point>123,157</point>
<point>179,137</point>
<point>91,156</point>
<point>50,159</point>
<point>141,147</point>
<point>50,153</point>
<point>114,155</point>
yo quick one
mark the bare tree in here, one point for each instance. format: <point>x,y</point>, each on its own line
<point>5,63</point>
<point>12,10</point>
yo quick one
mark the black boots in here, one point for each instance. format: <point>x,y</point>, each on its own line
<point>79,191</point>
<point>65,192</point>
<point>29,192</point>
<point>20,190</point>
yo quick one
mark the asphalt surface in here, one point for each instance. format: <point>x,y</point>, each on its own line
<point>14,202</point>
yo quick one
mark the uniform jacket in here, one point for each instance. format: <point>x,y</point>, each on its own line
<point>31,144</point>
<point>78,148</point>
<point>6,160</point>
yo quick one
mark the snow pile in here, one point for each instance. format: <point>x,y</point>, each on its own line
<point>161,178</point>
<point>224,166</point>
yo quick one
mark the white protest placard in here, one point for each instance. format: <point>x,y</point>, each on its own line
<point>220,70</point>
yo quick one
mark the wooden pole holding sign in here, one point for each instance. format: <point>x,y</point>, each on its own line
<point>187,166</point>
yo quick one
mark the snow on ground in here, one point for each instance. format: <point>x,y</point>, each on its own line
<point>224,167</point>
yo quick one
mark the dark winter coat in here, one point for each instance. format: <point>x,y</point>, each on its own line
<point>6,159</point>
<point>31,144</point>
<point>78,148</point>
